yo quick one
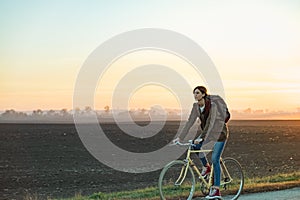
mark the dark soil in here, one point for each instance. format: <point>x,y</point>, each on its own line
<point>49,160</point>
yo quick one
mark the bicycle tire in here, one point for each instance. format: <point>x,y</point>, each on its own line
<point>233,189</point>
<point>169,188</point>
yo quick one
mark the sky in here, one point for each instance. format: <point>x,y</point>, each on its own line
<point>255,46</point>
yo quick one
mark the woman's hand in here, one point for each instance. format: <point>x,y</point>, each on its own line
<point>176,140</point>
<point>198,140</point>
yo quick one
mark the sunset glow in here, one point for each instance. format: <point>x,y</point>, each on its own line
<point>254,45</point>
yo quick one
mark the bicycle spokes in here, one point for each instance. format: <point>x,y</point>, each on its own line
<point>232,178</point>
<point>177,180</point>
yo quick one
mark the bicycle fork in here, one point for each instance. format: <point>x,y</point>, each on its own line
<point>182,174</point>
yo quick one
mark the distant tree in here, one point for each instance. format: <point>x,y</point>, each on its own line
<point>51,113</point>
<point>22,115</point>
<point>37,112</point>
<point>77,110</point>
<point>8,112</point>
<point>106,109</point>
<point>12,114</point>
<point>248,111</point>
<point>143,111</point>
<point>64,112</point>
<point>258,111</point>
<point>88,109</point>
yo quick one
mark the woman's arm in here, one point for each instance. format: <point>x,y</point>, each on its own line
<point>191,120</point>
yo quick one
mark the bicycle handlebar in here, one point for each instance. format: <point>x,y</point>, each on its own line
<point>190,143</point>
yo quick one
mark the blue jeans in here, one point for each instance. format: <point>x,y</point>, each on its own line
<point>216,155</point>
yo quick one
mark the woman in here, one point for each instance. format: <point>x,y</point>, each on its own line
<point>214,128</point>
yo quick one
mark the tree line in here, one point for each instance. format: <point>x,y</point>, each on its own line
<point>46,114</point>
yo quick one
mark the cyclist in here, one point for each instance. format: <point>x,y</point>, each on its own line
<point>213,129</point>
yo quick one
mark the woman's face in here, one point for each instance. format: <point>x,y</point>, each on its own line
<point>198,95</point>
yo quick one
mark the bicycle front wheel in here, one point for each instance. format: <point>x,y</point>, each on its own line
<point>232,179</point>
<point>176,181</point>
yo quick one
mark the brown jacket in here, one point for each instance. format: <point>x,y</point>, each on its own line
<point>212,125</point>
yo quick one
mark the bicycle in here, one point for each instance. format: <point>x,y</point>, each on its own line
<point>177,179</point>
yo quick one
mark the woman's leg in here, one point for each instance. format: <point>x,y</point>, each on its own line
<point>201,155</point>
<point>216,155</point>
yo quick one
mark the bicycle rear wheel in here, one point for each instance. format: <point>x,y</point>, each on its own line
<point>232,179</point>
<point>176,181</point>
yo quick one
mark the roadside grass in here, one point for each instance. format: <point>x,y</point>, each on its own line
<point>275,182</point>
<point>268,183</point>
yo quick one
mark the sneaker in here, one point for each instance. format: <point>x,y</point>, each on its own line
<point>205,171</point>
<point>214,193</point>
